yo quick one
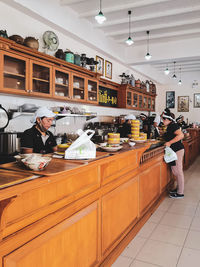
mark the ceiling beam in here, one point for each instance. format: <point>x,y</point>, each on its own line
<point>71,2</point>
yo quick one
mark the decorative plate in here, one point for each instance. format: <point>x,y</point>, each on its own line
<point>111,148</point>
<point>138,141</point>
<point>51,40</point>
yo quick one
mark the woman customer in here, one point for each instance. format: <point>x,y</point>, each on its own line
<point>173,137</point>
<point>38,139</point>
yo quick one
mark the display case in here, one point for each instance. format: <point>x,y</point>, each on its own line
<point>41,78</point>
<point>14,75</point>
<point>92,91</point>
<point>78,88</point>
<point>61,83</point>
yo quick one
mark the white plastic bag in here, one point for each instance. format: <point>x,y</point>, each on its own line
<point>170,155</point>
<point>83,147</point>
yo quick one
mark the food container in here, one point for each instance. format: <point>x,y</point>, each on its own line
<point>34,161</point>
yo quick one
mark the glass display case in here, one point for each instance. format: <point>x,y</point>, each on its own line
<point>135,100</point>
<point>92,90</point>
<point>61,84</point>
<point>129,99</point>
<point>140,101</point>
<point>78,92</point>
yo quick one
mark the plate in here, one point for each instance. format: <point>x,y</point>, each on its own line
<point>59,153</point>
<point>138,141</point>
<point>111,148</point>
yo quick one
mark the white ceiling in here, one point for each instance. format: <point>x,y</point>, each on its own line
<point>167,20</point>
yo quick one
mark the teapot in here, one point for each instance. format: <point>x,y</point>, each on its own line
<point>3,34</point>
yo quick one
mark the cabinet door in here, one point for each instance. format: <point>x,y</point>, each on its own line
<point>14,74</point>
<point>140,102</point>
<point>92,91</point>
<point>61,84</point>
<point>153,104</point>
<point>129,99</point>
<point>144,102</point>
<point>149,103</point>
<point>73,242</point>
<point>119,211</point>
<point>78,88</point>
<point>135,100</point>
<point>41,78</point>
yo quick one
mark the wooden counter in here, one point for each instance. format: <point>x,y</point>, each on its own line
<point>83,215</point>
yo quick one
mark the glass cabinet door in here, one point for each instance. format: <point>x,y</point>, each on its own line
<point>128,99</point>
<point>149,102</point>
<point>144,102</point>
<point>41,74</point>
<point>92,91</point>
<point>78,88</point>
<point>140,101</point>
<point>61,84</point>
<point>14,73</point>
<point>153,104</point>
<point>135,100</point>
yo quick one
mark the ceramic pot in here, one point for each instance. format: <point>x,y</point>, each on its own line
<point>60,54</point>
<point>3,34</point>
<point>31,42</point>
<point>69,56</point>
<point>17,38</point>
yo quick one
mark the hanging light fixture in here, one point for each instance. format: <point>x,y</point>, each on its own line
<point>100,18</point>
<point>180,82</point>
<point>148,56</point>
<point>129,41</point>
<point>174,75</point>
<point>166,71</point>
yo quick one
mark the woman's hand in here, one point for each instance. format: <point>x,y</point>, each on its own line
<point>167,144</point>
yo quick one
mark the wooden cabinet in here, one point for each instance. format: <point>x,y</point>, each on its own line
<point>61,83</point>
<point>92,91</point>
<point>14,73</point>
<point>41,78</point>
<point>134,98</point>
<point>63,245</point>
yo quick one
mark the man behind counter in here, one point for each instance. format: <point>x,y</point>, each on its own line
<point>125,128</point>
<point>38,139</point>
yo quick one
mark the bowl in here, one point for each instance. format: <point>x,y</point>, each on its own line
<point>33,161</point>
<point>131,144</point>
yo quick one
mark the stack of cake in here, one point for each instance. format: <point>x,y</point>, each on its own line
<point>143,136</point>
<point>113,138</point>
<point>135,129</point>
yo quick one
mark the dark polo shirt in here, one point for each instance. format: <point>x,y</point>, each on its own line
<point>31,138</point>
<point>170,134</point>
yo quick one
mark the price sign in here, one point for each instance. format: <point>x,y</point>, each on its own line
<point>107,97</point>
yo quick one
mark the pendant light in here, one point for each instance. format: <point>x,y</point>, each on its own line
<point>148,56</point>
<point>129,41</point>
<point>166,71</point>
<point>100,18</point>
<point>174,75</point>
<point>180,82</point>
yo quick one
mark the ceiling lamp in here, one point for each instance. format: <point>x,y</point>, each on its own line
<point>180,82</point>
<point>148,56</point>
<point>174,75</point>
<point>129,41</point>
<point>100,18</point>
<point>166,71</point>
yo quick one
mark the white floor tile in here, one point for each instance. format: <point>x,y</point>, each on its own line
<point>147,229</point>
<point>169,234</point>
<point>193,240</point>
<point>137,263</point>
<point>189,257</point>
<point>122,262</point>
<point>176,220</point>
<point>134,247</point>
<point>183,209</point>
<point>195,224</point>
<point>162,254</point>
<point>156,216</point>
<point>164,206</point>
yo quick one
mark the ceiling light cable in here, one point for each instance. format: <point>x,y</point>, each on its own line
<point>129,41</point>
<point>148,55</point>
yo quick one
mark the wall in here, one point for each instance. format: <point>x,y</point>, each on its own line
<point>17,22</point>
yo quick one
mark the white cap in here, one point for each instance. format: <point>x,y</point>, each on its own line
<point>42,112</point>
<point>130,117</point>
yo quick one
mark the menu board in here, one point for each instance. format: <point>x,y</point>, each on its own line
<point>107,97</point>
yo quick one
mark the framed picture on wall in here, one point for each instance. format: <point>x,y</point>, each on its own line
<point>108,69</point>
<point>170,99</point>
<point>196,100</point>
<point>100,65</point>
<point>183,104</point>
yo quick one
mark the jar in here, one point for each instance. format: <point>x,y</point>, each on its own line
<point>69,56</point>
<point>77,59</point>
<point>138,83</point>
<point>60,54</point>
<point>83,60</point>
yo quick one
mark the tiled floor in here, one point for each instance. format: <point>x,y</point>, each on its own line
<point>171,237</point>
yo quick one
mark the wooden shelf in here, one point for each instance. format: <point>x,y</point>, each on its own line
<point>77,88</point>
<point>40,80</point>
<point>92,92</point>
<point>13,74</point>
<point>61,84</point>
